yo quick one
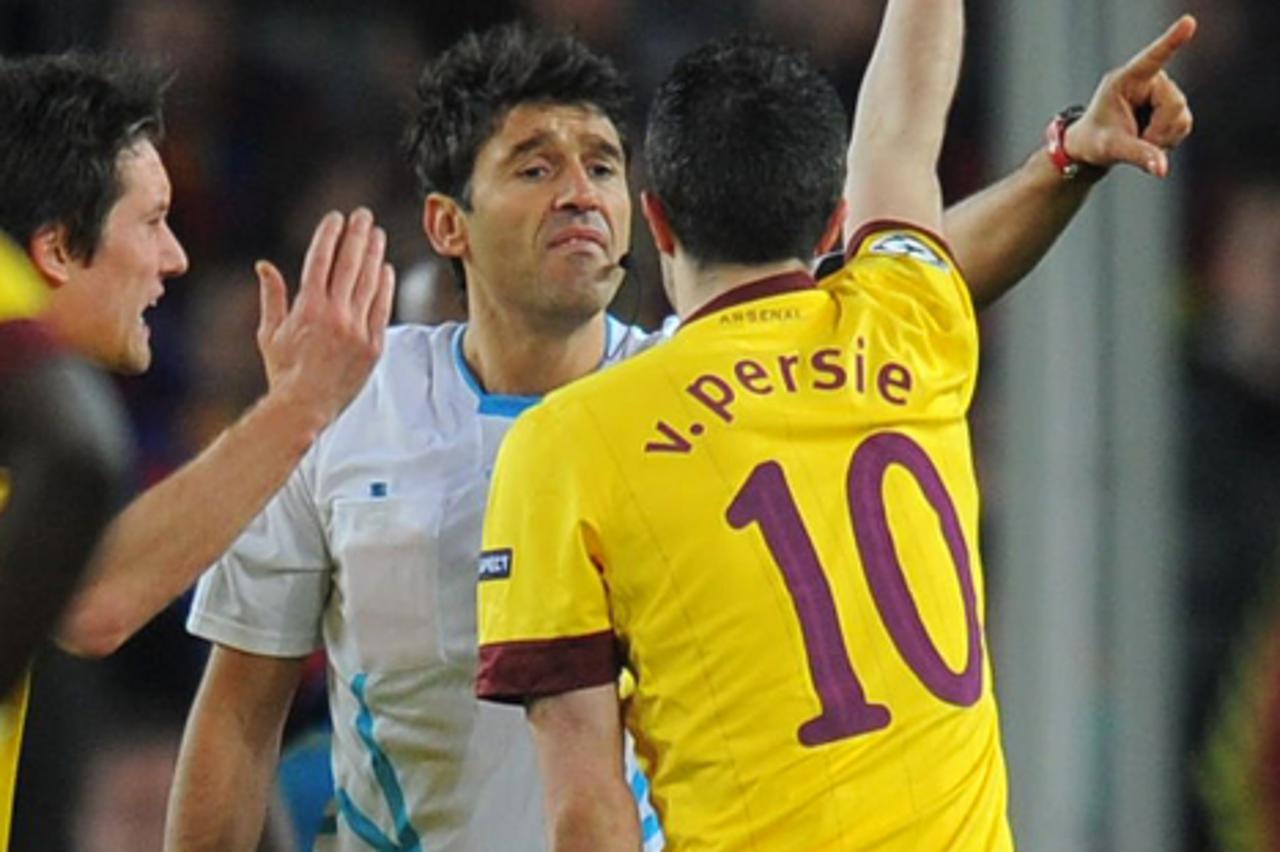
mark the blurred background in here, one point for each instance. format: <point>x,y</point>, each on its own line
<point>1128,424</point>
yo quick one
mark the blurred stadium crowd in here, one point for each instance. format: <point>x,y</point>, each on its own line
<point>283,109</point>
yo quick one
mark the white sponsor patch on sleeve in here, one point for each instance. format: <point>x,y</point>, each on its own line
<point>906,245</point>
<point>495,564</point>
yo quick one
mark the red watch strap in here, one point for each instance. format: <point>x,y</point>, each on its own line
<point>1055,137</point>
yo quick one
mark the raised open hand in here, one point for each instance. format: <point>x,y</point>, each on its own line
<point>319,352</point>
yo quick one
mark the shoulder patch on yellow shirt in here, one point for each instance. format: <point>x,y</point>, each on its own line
<point>908,245</point>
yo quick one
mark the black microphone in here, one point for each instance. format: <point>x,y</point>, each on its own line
<point>624,262</point>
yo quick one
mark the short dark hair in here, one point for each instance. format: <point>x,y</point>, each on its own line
<point>746,151</point>
<point>64,121</point>
<point>466,92</point>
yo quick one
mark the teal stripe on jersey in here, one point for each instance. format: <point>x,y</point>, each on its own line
<point>490,404</point>
<point>363,826</point>
<point>512,406</point>
<point>650,828</point>
<point>407,839</point>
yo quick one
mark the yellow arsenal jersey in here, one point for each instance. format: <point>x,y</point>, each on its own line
<point>771,522</point>
<point>21,298</point>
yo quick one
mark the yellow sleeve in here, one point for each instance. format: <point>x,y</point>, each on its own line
<point>22,294</point>
<point>909,275</point>
<point>544,622</point>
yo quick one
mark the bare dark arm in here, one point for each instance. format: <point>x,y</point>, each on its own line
<point>1000,233</point>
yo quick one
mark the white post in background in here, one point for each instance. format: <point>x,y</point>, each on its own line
<point>1082,541</point>
<point>1145,555</point>
<point>1045,549</point>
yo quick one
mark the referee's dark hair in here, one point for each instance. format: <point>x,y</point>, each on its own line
<point>466,92</point>
<point>64,122</point>
<point>745,149</point>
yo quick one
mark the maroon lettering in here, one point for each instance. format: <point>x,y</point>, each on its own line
<point>675,443</point>
<point>894,377</point>
<point>719,404</point>
<point>787,364</point>
<point>860,366</point>
<point>753,376</point>
<point>766,501</point>
<point>883,566</point>
<point>828,361</point>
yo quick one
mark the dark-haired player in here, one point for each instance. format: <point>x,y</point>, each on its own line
<point>86,196</point>
<point>770,521</point>
<point>520,152</point>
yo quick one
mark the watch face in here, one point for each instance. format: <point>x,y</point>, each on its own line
<point>1071,114</point>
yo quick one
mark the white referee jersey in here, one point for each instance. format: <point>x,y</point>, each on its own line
<point>369,550</point>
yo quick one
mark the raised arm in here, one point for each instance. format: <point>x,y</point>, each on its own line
<point>902,114</point>
<point>578,736</point>
<point>1001,233</point>
<point>318,354</point>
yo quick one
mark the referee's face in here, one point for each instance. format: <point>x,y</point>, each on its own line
<point>99,308</point>
<point>550,215</point>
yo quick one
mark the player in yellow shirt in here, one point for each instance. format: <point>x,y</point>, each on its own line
<point>87,196</point>
<point>770,521</point>
<point>63,452</point>
<point>782,549</point>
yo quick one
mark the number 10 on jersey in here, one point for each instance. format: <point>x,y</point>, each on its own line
<point>766,500</point>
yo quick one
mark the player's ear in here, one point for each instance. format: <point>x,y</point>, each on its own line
<point>659,226</point>
<point>831,235</point>
<point>50,255</point>
<point>445,225</point>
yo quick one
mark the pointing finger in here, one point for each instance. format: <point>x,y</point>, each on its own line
<point>1152,59</point>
